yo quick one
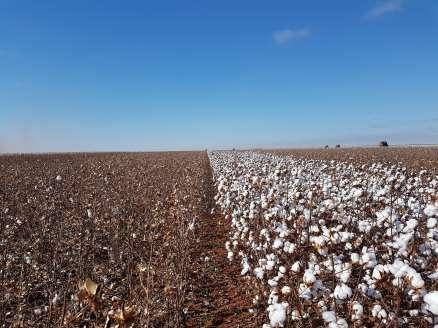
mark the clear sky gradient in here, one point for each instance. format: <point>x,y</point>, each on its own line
<point>89,75</point>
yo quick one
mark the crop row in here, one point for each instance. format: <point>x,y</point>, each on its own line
<point>329,242</point>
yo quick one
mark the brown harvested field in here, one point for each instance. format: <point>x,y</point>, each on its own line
<point>413,157</point>
<point>122,220</point>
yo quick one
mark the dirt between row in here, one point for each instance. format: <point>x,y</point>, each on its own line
<point>217,296</point>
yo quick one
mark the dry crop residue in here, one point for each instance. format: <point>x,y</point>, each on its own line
<point>96,240</point>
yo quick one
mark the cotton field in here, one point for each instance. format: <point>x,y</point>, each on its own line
<point>330,243</point>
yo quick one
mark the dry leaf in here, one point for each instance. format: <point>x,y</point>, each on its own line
<point>91,287</point>
<point>125,314</point>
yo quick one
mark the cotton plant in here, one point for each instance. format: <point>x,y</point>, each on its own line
<point>333,236</point>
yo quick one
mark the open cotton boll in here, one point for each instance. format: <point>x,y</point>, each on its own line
<point>342,292</point>
<point>58,178</point>
<point>378,272</point>
<point>296,267</point>
<point>270,265</point>
<point>309,277</point>
<point>286,290</point>
<point>431,210</point>
<point>277,315</point>
<point>245,267</point>
<point>415,279</point>
<point>357,312</point>
<point>278,243</point>
<point>340,323</point>
<point>355,258</point>
<point>343,271</point>
<point>259,273</point>
<point>431,301</point>
<point>378,312</point>
<point>410,225</point>
<point>431,222</point>
<point>272,283</point>
<point>289,247</point>
<point>329,316</point>
<point>295,315</point>
<point>305,292</point>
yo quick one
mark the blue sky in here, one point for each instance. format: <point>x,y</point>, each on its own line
<point>90,75</point>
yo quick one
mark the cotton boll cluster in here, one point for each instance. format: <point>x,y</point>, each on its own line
<point>330,236</point>
<point>431,302</point>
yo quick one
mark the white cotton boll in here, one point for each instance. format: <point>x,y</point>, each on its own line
<point>278,243</point>
<point>342,292</point>
<point>270,265</point>
<point>295,315</point>
<point>58,178</point>
<point>343,272</point>
<point>272,283</point>
<point>286,290</point>
<point>341,323</point>
<point>378,312</point>
<point>89,214</point>
<point>413,313</point>
<point>309,277</point>
<point>246,268</point>
<point>304,292</point>
<point>329,316</point>
<point>364,226</point>
<point>378,271</point>
<point>410,225</point>
<point>357,311</point>
<point>433,276</point>
<point>296,267</point>
<point>357,193</point>
<point>368,258</point>
<point>273,297</point>
<point>289,247</point>
<point>282,269</point>
<point>259,273</point>
<point>263,262</point>
<point>355,258</point>
<point>28,259</point>
<point>277,315</point>
<point>266,325</point>
<point>230,255</point>
<point>323,251</point>
<point>431,222</point>
<point>431,302</point>
<point>416,280</point>
<point>415,294</point>
<point>56,299</point>
<point>431,210</point>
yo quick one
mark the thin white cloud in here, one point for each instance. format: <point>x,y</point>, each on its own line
<point>284,36</point>
<point>385,7</point>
